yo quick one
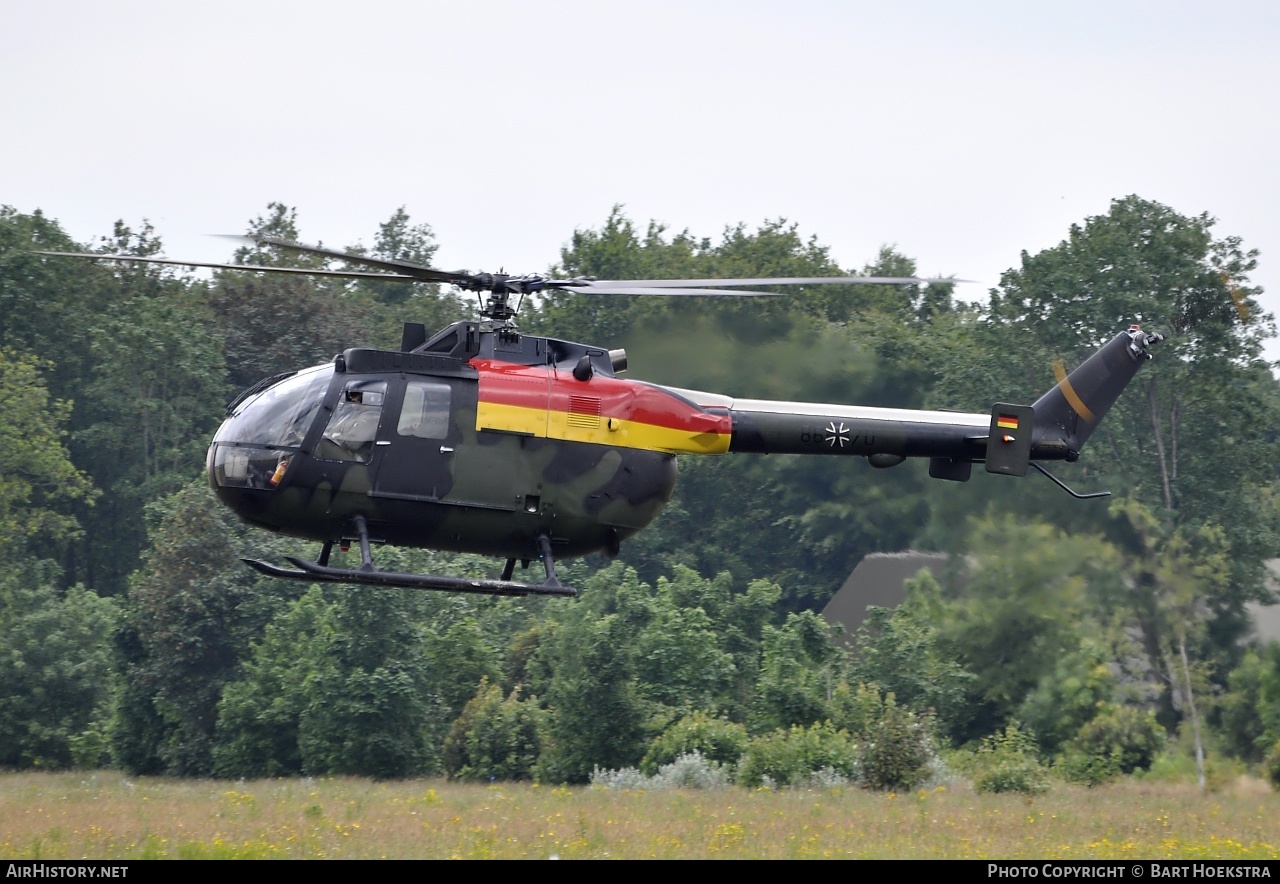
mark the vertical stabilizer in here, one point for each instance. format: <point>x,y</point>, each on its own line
<point>1068,414</point>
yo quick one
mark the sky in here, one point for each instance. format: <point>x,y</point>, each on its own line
<point>961,133</point>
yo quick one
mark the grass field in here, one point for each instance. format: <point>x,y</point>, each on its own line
<point>107,815</point>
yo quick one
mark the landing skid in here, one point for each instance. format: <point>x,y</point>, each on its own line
<point>368,575</point>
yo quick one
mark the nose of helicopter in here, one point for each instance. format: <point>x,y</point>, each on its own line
<point>264,430</point>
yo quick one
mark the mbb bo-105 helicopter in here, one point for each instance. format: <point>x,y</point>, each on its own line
<point>485,440</point>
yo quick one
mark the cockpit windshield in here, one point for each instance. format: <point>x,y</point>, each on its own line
<point>281,414</point>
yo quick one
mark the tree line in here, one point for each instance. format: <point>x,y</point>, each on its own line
<point>1086,635</point>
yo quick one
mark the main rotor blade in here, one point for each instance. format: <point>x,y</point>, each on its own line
<point>665,292</point>
<point>588,285</point>
<point>414,271</point>
<point>256,268</point>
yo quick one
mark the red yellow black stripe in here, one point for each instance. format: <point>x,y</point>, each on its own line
<point>540,402</point>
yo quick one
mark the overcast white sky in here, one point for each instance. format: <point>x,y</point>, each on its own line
<point>963,133</point>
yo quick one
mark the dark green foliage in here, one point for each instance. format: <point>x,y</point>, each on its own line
<point>679,658</point>
<point>895,745</point>
<point>260,713</point>
<point>1250,709</point>
<point>798,666</point>
<point>38,481</point>
<point>627,659</point>
<point>370,709</point>
<point>792,756</point>
<point>147,415</point>
<point>1009,762</point>
<point>715,739</point>
<point>899,652</point>
<point>55,670</point>
<point>1080,684</point>
<point>1084,769</point>
<point>460,657</point>
<point>1271,766</point>
<point>597,712</point>
<point>495,738</point>
<point>189,619</point>
<point>45,301</point>
<point>1118,740</point>
<point>270,325</point>
<point>1025,604</point>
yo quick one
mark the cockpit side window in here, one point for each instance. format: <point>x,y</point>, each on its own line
<point>354,425</point>
<point>425,414</point>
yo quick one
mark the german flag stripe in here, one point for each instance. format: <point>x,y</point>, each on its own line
<point>1005,422</point>
<point>601,431</point>
<point>605,411</point>
<point>544,397</point>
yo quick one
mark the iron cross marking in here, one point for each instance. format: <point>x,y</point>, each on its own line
<point>837,434</point>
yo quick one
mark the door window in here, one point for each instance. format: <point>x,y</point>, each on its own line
<point>354,425</point>
<point>425,414</point>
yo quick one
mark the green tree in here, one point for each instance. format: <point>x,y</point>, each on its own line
<point>55,669</point>
<point>895,748</point>
<point>1178,439</point>
<point>1080,685</point>
<point>495,738</point>
<point>461,658</point>
<point>146,416</point>
<point>39,485</point>
<point>899,651</point>
<point>272,323</point>
<point>799,668</point>
<point>260,712</point>
<point>44,300</point>
<point>1250,709</point>
<point>190,616</point>
<point>597,712</point>
<point>715,739</point>
<point>1030,599</point>
<point>389,305</point>
<point>1178,573</point>
<point>371,710</point>
<point>794,755</point>
<point>679,660</point>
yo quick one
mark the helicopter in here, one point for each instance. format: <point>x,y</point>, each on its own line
<point>481,439</point>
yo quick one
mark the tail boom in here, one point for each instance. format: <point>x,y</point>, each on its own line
<point>1054,428</point>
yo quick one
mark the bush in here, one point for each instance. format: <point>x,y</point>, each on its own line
<point>1121,738</point>
<point>1075,766</point>
<point>896,749</point>
<point>715,739</point>
<point>688,771</point>
<point>1008,762</point>
<point>1177,764</point>
<point>795,756</point>
<point>494,738</point>
<point>1067,698</point>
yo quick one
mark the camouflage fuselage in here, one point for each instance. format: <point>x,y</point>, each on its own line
<point>489,484</point>
<point>483,441</point>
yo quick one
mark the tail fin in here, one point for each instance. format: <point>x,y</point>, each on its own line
<point>1068,414</point>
